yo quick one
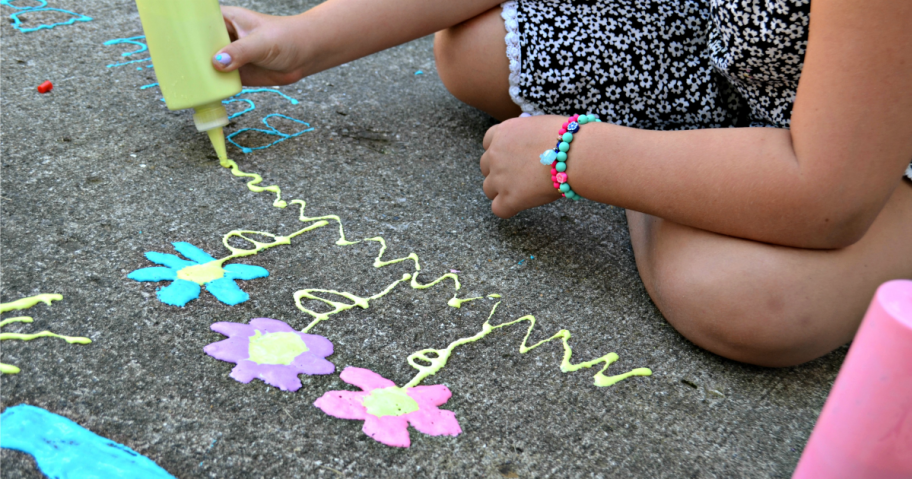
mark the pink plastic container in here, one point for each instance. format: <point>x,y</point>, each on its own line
<point>865,428</point>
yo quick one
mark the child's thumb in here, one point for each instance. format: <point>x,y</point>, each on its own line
<point>249,49</point>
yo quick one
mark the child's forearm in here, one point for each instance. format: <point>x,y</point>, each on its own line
<point>743,182</point>
<point>340,31</point>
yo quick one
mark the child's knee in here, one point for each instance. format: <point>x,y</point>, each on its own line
<point>453,61</point>
<point>754,315</point>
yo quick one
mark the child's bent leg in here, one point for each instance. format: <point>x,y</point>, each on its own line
<point>472,61</point>
<point>764,304</point>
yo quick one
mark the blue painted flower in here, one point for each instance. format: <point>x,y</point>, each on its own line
<point>187,276</point>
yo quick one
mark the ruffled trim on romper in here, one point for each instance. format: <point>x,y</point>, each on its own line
<point>514,55</point>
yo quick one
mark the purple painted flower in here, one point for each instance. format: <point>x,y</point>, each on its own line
<point>387,409</point>
<point>271,350</point>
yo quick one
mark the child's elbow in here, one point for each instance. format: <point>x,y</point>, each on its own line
<point>842,227</point>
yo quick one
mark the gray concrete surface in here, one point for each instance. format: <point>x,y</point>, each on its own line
<point>98,172</point>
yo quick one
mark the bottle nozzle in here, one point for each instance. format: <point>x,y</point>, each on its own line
<point>211,118</point>
<point>217,137</point>
<point>212,115</point>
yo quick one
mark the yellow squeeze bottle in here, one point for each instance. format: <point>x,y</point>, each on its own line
<point>183,36</point>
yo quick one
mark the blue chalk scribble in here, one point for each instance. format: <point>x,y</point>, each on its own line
<point>42,7</point>
<point>252,105</point>
<point>130,41</point>
<point>62,448</point>
<point>242,97</point>
<point>272,131</point>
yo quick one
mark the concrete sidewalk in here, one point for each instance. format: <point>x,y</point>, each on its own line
<point>98,172</point>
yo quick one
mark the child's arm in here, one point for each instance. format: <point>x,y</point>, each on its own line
<point>819,185</point>
<point>273,50</point>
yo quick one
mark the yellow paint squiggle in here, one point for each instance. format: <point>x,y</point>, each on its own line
<point>26,303</point>
<point>440,356</point>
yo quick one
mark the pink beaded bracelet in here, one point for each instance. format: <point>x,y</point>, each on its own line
<point>557,158</point>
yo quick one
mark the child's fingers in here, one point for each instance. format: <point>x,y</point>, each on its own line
<point>488,188</point>
<point>485,164</point>
<point>501,208</point>
<point>489,137</point>
<point>239,21</point>
<point>249,49</point>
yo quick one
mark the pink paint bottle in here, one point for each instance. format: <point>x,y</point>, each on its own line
<point>865,428</point>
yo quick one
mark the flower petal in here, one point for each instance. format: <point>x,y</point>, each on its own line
<point>279,375</point>
<point>311,364</point>
<point>389,430</point>
<point>317,345</point>
<point>153,273</point>
<point>434,422</point>
<point>232,329</point>
<point>168,260</point>
<point>245,271</point>
<point>245,371</point>
<point>179,292</point>
<point>343,404</point>
<point>192,252</point>
<point>231,350</point>
<point>365,378</point>
<point>269,325</point>
<point>434,395</point>
<point>227,291</point>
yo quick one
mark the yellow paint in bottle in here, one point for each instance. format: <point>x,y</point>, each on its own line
<point>183,36</point>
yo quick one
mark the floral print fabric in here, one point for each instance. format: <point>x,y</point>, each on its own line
<point>662,64</point>
<point>659,64</point>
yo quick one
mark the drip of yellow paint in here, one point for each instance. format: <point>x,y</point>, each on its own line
<point>440,356</point>
<point>26,303</point>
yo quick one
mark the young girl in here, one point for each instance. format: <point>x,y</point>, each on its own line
<point>759,146</point>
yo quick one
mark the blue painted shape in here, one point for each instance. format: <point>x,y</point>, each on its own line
<point>154,274</point>
<point>168,260</point>
<point>131,40</point>
<point>17,23</point>
<point>227,291</point>
<point>270,131</point>
<point>9,3</point>
<point>192,252</point>
<point>179,292</point>
<point>64,449</point>
<point>150,85</point>
<point>245,271</point>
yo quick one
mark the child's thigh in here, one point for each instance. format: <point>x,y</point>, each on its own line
<point>765,304</point>
<point>471,60</point>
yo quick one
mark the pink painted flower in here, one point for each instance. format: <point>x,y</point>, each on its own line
<point>561,177</point>
<point>387,409</point>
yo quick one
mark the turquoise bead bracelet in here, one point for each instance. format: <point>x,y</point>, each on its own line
<point>557,158</point>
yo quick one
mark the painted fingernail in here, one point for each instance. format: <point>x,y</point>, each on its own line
<point>223,58</point>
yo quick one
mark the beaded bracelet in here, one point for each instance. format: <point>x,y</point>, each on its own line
<point>557,158</point>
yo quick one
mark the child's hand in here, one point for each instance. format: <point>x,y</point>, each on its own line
<point>515,178</point>
<point>264,47</point>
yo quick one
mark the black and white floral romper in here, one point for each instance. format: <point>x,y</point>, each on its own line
<point>659,64</point>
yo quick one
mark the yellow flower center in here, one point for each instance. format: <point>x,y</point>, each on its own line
<point>391,401</point>
<point>275,348</point>
<point>202,273</point>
